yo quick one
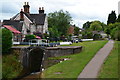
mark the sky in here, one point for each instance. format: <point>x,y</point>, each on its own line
<point>81,11</point>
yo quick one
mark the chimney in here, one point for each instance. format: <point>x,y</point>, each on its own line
<point>21,15</point>
<point>26,7</point>
<point>41,10</point>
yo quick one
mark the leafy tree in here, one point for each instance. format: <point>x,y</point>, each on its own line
<point>59,21</point>
<point>103,26</point>
<point>87,34</point>
<point>111,17</point>
<point>117,35</point>
<point>111,26</point>
<point>6,40</point>
<point>76,30</point>
<point>96,26</point>
<point>54,32</point>
<point>115,31</point>
<point>86,25</point>
<point>107,31</point>
<point>118,19</point>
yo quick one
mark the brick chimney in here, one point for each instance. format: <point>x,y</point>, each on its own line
<point>21,15</point>
<point>26,7</point>
<point>41,10</point>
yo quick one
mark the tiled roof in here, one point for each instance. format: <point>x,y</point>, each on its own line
<point>37,18</point>
<point>14,16</point>
<point>12,29</point>
<point>15,23</point>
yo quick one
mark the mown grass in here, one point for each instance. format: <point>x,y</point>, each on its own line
<point>73,67</point>
<point>110,67</point>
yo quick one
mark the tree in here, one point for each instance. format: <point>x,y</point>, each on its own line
<point>103,26</point>
<point>76,30</point>
<point>54,32</point>
<point>6,40</point>
<point>60,21</point>
<point>87,34</point>
<point>86,25</point>
<point>118,19</point>
<point>111,17</point>
<point>96,26</point>
<point>97,37</point>
<point>115,31</point>
<point>111,26</point>
<point>107,31</point>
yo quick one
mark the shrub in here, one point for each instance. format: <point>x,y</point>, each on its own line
<point>97,36</point>
<point>38,34</point>
<point>6,40</point>
<point>87,35</point>
<point>115,34</point>
<point>46,35</point>
<point>29,37</point>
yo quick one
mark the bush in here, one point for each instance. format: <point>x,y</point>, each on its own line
<point>118,33</point>
<point>115,32</point>
<point>87,35</point>
<point>38,34</point>
<point>97,37</point>
<point>6,40</point>
<point>29,37</point>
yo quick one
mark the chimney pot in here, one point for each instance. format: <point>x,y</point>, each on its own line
<point>27,3</point>
<point>26,7</point>
<point>42,8</point>
<point>39,8</point>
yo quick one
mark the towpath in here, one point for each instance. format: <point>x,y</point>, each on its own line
<point>92,68</point>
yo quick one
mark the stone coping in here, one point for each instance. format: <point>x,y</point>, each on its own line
<point>63,47</point>
<point>50,48</point>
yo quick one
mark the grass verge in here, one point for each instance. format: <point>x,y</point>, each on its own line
<point>11,67</point>
<point>73,67</point>
<point>110,67</point>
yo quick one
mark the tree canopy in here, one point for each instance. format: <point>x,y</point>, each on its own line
<point>76,30</point>
<point>96,26</point>
<point>113,30</point>
<point>87,25</point>
<point>59,21</point>
<point>111,17</point>
<point>6,40</point>
<point>118,19</point>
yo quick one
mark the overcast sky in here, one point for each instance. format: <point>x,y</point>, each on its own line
<point>80,10</point>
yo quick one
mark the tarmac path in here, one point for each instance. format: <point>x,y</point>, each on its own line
<point>92,68</point>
